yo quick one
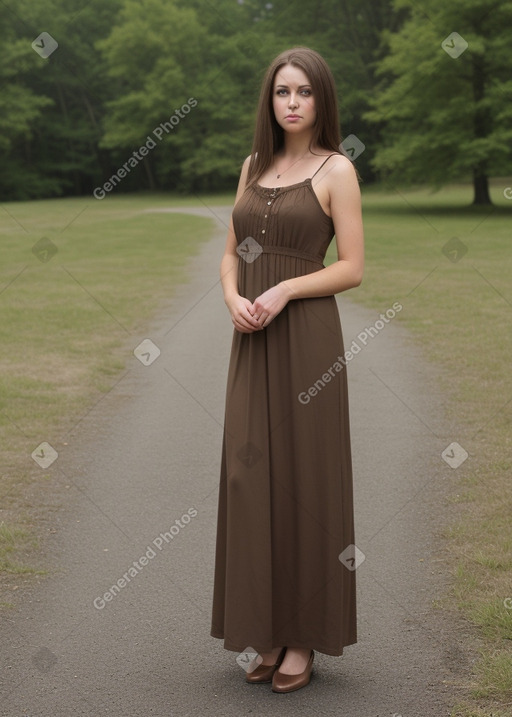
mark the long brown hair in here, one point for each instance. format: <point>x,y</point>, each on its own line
<point>269,135</point>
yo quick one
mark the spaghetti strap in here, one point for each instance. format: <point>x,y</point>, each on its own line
<point>320,167</point>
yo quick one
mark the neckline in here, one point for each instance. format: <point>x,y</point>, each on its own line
<point>266,190</point>
<point>284,186</point>
<point>298,184</point>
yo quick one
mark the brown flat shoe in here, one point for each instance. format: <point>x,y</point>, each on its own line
<point>264,673</point>
<point>289,683</point>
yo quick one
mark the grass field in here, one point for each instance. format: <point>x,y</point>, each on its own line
<point>65,317</point>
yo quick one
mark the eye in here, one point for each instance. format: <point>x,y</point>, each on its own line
<point>281,91</point>
<point>307,93</point>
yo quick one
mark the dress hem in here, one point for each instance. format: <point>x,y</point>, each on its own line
<point>332,652</point>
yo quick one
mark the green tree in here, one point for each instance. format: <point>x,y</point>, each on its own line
<point>161,53</point>
<point>446,107</point>
<point>21,108</point>
<point>348,34</point>
<point>152,57</point>
<point>52,105</point>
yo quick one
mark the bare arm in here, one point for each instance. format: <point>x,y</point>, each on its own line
<point>240,308</point>
<point>347,272</point>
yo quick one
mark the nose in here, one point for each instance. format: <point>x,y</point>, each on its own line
<point>293,101</point>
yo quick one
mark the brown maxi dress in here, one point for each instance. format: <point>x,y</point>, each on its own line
<point>285,507</point>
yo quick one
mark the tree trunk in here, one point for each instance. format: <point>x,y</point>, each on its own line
<point>482,126</point>
<point>149,174</point>
<point>481,187</point>
<point>70,146</point>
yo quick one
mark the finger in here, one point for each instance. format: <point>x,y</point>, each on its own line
<point>259,309</point>
<point>252,310</point>
<point>243,325</point>
<point>252,320</point>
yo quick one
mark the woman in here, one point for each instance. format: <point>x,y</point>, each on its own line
<point>285,511</point>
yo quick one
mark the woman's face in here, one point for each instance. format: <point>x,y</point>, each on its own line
<point>293,101</point>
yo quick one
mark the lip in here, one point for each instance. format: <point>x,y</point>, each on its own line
<point>292,116</point>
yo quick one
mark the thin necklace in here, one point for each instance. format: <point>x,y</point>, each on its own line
<point>291,165</point>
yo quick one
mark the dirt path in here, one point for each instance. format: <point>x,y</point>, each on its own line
<point>145,462</point>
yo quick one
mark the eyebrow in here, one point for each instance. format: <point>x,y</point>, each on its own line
<point>300,86</point>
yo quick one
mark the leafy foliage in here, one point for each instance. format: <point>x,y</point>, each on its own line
<point>185,74</point>
<point>446,116</point>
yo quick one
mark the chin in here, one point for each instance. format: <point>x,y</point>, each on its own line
<point>295,128</point>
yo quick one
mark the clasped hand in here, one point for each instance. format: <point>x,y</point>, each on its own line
<point>248,317</point>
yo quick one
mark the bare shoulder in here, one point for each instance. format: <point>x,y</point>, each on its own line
<point>341,167</point>
<point>245,168</point>
<point>341,179</point>
<point>242,182</point>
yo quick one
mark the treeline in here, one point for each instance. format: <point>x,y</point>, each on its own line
<point>161,94</point>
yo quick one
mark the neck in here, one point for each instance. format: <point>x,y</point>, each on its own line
<point>296,146</point>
